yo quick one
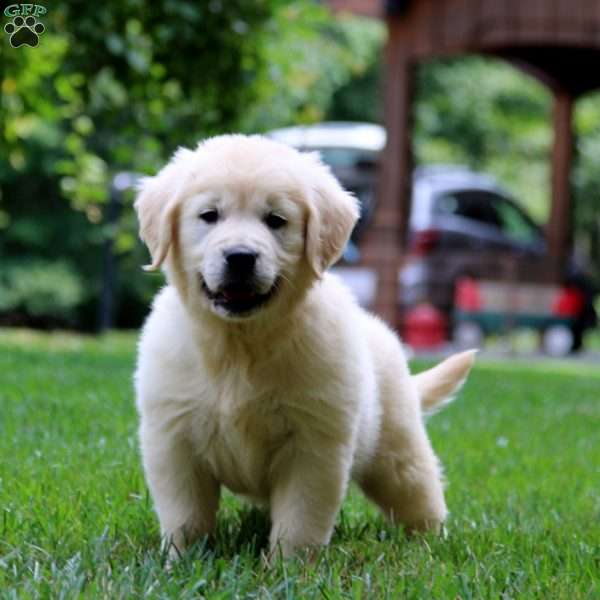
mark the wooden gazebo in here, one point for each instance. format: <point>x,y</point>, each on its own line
<point>557,41</point>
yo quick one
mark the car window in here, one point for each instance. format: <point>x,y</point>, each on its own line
<point>490,209</point>
<point>515,224</point>
<point>475,205</point>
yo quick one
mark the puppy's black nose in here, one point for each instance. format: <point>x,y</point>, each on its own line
<point>240,260</point>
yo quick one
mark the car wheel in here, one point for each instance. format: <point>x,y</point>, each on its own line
<point>577,339</point>
<point>558,340</point>
<point>468,334</point>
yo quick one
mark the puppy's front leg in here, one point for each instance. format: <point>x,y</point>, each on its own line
<point>185,494</point>
<point>307,493</point>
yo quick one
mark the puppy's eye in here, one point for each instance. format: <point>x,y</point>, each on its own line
<point>209,216</point>
<point>274,221</point>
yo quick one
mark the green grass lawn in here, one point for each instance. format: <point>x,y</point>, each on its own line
<point>521,447</point>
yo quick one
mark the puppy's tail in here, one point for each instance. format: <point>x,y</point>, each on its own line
<point>438,386</point>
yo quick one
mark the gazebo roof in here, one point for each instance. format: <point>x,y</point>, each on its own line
<point>572,68</point>
<point>557,41</point>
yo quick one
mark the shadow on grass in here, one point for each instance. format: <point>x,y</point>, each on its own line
<point>244,531</point>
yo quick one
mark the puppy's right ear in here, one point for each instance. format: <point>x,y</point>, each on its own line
<point>156,203</point>
<point>332,214</point>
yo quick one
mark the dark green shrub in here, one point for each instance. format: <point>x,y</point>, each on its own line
<point>39,292</point>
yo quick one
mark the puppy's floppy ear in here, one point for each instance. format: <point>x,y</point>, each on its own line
<point>156,205</point>
<point>332,214</point>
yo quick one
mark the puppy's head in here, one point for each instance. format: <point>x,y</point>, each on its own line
<point>243,224</point>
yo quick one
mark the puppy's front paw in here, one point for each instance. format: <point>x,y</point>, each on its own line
<point>171,551</point>
<point>279,552</point>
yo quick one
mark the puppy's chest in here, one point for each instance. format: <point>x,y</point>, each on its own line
<point>238,434</point>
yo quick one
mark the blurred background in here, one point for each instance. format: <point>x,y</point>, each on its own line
<point>112,89</point>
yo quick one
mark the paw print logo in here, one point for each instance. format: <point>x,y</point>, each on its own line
<point>24,31</point>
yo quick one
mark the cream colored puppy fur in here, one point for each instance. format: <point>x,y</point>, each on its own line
<point>287,402</point>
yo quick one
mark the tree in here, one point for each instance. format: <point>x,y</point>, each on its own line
<point>118,86</point>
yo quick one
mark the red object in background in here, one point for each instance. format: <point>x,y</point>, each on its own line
<point>569,302</point>
<point>467,296</point>
<point>425,327</point>
<point>424,241</point>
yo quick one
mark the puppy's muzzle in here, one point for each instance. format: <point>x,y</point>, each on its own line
<point>240,292</point>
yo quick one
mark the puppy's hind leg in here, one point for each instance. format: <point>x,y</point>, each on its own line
<point>404,477</point>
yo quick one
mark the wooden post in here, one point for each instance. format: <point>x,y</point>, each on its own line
<point>384,241</point>
<point>560,221</point>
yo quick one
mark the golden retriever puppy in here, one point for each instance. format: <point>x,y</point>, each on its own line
<point>257,370</point>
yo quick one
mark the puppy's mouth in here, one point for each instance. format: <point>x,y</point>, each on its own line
<point>239,299</point>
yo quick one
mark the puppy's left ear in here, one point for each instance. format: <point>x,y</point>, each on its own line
<point>156,206</point>
<point>333,212</point>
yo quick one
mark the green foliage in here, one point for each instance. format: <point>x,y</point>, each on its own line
<point>118,86</point>
<point>586,177</point>
<point>361,98</point>
<point>40,289</point>
<point>310,58</point>
<point>519,446</point>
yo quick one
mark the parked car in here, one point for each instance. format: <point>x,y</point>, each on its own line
<point>462,224</point>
